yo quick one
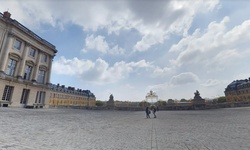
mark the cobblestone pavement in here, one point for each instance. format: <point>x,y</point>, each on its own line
<point>75,129</point>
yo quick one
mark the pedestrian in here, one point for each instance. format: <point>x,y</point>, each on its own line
<point>147,112</point>
<point>154,111</point>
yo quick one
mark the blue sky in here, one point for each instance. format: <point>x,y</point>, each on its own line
<point>127,48</point>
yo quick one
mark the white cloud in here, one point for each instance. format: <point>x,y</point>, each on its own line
<point>129,86</point>
<point>116,50</point>
<point>217,49</point>
<point>242,76</point>
<point>96,43</point>
<point>217,54</point>
<point>162,72</point>
<point>211,83</point>
<point>140,64</point>
<point>184,78</point>
<point>98,72</point>
<point>153,20</point>
<point>71,67</point>
<point>99,43</point>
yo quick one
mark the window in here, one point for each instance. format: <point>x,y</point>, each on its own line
<point>40,97</point>
<point>8,90</point>
<point>27,74</point>
<point>32,52</point>
<point>17,44</point>
<point>41,76</point>
<point>44,58</point>
<point>11,67</point>
<point>25,96</point>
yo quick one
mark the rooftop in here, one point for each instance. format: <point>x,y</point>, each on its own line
<point>6,18</point>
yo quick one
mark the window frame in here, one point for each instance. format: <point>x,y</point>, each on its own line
<point>28,72</point>
<point>11,69</point>
<point>8,92</point>
<point>17,47</point>
<point>44,58</point>
<point>41,76</point>
<point>25,96</point>
<point>32,52</point>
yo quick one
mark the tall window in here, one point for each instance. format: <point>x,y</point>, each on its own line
<point>17,44</point>
<point>44,58</point>
<point>40,97</point>
<point>27,74</point>
<point>25,96</point>
<point>32,52</point>
<point>8,90</point>
<point>41,76</point>
<point>11,67</point>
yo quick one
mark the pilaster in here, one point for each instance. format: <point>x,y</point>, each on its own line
<point>5,51</point>
<point>36,67</point>
<point>49,69</point>
<point>23,60</point>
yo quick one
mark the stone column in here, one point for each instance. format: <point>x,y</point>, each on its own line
<point>5,51</point>
<point>49,69</point>
<point>23,61</point>
<point>36,67</point>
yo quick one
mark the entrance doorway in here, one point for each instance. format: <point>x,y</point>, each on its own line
<point>25,96</point>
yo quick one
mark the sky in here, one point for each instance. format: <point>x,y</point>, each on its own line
<point>129,47</point>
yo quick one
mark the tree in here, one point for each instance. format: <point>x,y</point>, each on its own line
<point>170,101</point>
<point>99,103</point>
<point>222,99</point>
<point>144,104</point>
<point>161,103</point>
<point>183,100</point>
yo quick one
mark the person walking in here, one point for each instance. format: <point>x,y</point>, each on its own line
<point>147,112</point>
<point>154,111</point>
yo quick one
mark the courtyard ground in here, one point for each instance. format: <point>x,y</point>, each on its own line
<point>76,129</point>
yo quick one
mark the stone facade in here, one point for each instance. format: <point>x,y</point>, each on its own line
<point>61,96</point>
<point>25,65</point>
<point>238,91</point>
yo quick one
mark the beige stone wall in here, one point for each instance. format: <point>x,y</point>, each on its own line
<point>10,31</point>
<point>67,99</point>
<point>242,95</point>
<point>17,93</point>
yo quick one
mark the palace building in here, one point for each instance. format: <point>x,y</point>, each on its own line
<point>61,96</point>
<point>25,69</point>
<point>238,91</point>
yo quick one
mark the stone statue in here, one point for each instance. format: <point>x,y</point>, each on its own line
<point>197,94</point>
<point>198,102</point>
<point>111,97</point>
<point>110,102</point>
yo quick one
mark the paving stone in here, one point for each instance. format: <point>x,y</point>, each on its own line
<point>67,129</point>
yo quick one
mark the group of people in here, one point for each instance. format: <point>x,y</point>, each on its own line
<point>148,111</point>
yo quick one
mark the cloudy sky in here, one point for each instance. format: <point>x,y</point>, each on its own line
<point>129,47</point>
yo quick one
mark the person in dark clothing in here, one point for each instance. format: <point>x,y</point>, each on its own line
<point>154,111</point>
<point>147,112</point>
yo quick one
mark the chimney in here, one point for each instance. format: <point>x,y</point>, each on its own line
<point>6,14</point>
